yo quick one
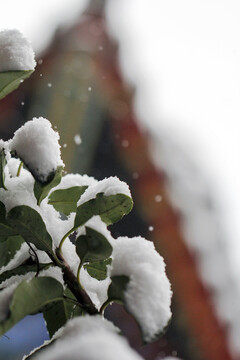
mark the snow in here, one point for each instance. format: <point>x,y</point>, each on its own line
<point>86,325</point>
<point>21,255</point>
<point>8,286</point>
<point>36,143</point>
<point>108,186</point>
<point>148,293</point>
<point>97,290</point>
<point>20,192</point>
<point>91,336</point>
<point>16,52</point>
<point>54,272</point>
<point>55,226</point>
<point>19,188</point>
<point>71,180</point>
<point>77,139</point>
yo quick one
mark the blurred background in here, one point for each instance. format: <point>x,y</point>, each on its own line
<point>152,88</point>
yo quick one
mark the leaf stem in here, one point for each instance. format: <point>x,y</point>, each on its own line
<point>79,269</point>
<point>73,284</point>
<point>64,238</point>
<point>105,304</point>
<point>19,168</point>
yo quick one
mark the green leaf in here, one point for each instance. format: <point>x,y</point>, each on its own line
<point>42,190</point>
<point>21,270</point>
<point>98,270</point>
<point>65,200</point>
<point>30,297</point>
<point>58,314</point>
<point>2,212</point>
<point>2,166</point>
<point>110,208</point>
<point>10,80</point>
<point>93,246</point>
<point>117,288</point>
<point>9,248</point>
<point>5,228</point>
<point>28,223</point>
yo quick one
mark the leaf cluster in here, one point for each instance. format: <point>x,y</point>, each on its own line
<point>36,290</point>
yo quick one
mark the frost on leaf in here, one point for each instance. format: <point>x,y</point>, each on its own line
<point>147,294</point>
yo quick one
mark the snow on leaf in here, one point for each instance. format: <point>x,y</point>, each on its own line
<point>31,297</point>
<point>110,208</point>
<point>16,60</point>
<point>9,248</point>
<point>16,52</point>
<point>93,246</point>
<point>98,269</point>
<point>19,271</point>
<point>65,200</point>
<point>28,223</point>
<point>148,293</point>
<point>41,190</point>
<point>36,144</point>
<point>93,336</point>
<point>108,186</point>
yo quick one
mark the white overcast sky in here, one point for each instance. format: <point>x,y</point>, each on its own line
<point>184,59</point>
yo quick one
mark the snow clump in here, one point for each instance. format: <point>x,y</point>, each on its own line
<point>36,143</point>
<point>108,186</point>
<point>148,293</point>
<point>88,338</point>
<point>16,52</point>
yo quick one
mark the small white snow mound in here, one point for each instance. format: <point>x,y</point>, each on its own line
<point>89,338</point>
<point>108,186</point>
<point>85,325</point>
<point>16,52</point>
<point>71,180</point>
<point>148,294</point>
<point>36,143</point>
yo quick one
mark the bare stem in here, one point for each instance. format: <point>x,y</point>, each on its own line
<point>73,284</point>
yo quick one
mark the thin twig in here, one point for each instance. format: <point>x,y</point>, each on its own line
<point>36,258</point>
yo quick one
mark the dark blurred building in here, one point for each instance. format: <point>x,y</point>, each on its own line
<point>78,86</point>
